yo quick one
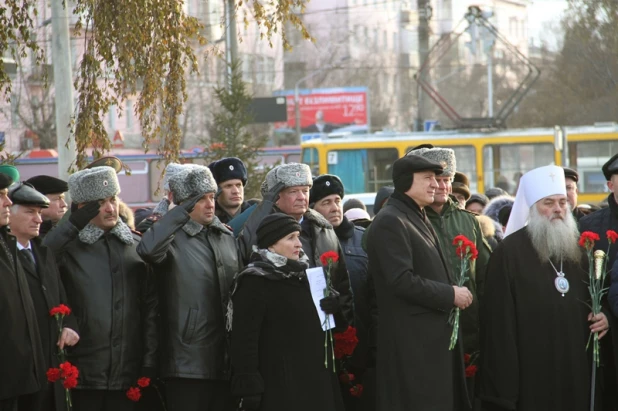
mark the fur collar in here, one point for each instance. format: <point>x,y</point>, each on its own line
<point>193,228</point>
<point>91,233</point>
<point>317,219</point>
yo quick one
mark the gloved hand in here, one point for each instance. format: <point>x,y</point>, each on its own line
<point>272,195</point>
<point>189,204</point>
<point>250,403</point>
<point>330,304</point>
<point>82,216</point>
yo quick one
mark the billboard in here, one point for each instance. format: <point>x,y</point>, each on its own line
<point>324,110</point>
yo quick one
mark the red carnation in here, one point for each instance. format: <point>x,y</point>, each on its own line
<point>68,370</point>
<point>143,382</point>
<point>471,371</point>
<point>612,236</point>
<point>346,377</point>
<point>134,394</point>
<point>345,342</point>
<point>460,240</point>
<point>587,240</point>
<point>53,374</point>
<point>329,257</point>
<point>69,382</point>
<point>357,390</point>
<point>466,358</point>
<point>60,309</point>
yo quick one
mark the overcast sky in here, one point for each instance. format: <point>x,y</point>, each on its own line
<point>541,14</point>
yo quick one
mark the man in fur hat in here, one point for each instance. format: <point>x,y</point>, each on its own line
<point>46,290</point>
<point>195,258</point>
<point>449,221</point>
<point>21,354</point>
<point>286,189</point>
<point>110,290</point>
<point>230,174</point>
<point>461,188</point>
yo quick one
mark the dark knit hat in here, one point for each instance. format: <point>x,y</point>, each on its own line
<point>24,193</point>
<point>405,167</point>
<point>478,198</point>
<point>494,192</point>
<point>570,173</point>
<point>5,181</point>
<point>610,168</point>
<point>461,185</point>
<point>325,185</point>
<point>48,184</point>
<point>274,227</point>
<point>229,168</point>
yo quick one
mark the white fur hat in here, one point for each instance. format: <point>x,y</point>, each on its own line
<point>93,184</point>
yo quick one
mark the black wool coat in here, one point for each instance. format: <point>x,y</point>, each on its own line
<point>113,297</point>
<point>278,345</point>
<point>47,292</point>
<point>415,369</point>
<point>21,355</point>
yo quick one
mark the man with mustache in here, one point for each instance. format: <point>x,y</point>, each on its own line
<point>536,322</point>
<point>195,258</point>
<point>110,291</point>
<point>230,174</point>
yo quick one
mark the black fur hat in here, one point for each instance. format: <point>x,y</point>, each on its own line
<point>325,185</point>
<point>229,168</point>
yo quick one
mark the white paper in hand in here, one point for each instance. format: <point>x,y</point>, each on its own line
<point>317,283</point>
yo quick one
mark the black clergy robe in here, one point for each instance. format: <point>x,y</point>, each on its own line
<point>533,340</point>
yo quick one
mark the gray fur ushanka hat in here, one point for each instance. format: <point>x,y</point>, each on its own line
<point>93,184</point>
<point>444,156</point>
<point>290,174</point>
<point>190,182</point>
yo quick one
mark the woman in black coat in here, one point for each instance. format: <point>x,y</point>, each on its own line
<point>277,339</point>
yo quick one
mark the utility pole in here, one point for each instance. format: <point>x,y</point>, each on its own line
<point>424,15</point>
<point>63,84</point>
<point>231,41</point>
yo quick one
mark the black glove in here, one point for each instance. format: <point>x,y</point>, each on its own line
<point>272,195</point>
<point>250,403</point>
<point>82,216</point>
<point>190,203</point>
<point>330,304</point>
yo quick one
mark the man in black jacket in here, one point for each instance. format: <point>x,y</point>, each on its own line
<point>415,295</point>
<point>21,354</point>
<point>195,259</point>
<point>230,174</point>
<point>110,290</point>
<point>46,290</point>
<point>326,198</point>
<point>606,218</point>
<point>286,190</point>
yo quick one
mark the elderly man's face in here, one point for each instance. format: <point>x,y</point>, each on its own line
<point>294,201</point>
<point>445,187</point>
<point>553,207</point>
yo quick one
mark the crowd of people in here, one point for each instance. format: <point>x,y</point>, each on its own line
<point>206,301</point>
